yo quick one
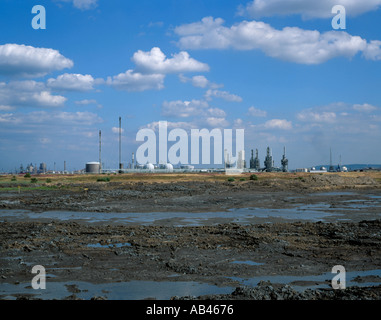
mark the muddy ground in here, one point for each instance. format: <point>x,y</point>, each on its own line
<point>195,253</point>
<point>178,195</point>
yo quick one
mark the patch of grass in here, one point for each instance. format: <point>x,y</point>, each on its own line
<point>106,179</point>
<point>254,177</point>
<point>242,179</point>
<point>48,180</point>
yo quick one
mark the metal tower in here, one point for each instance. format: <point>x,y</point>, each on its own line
<point>252,159</point>
<point>257,163</point>
<point>120,144</point>
<point>284,161</point>
<point>269,161</point>
<point>331,168</point>
<point>100,151</point>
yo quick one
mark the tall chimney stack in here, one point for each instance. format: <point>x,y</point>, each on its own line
<point>120,144</point>
<point>100,151</point>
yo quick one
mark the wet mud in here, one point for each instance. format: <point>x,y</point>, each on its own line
<point>242,259</point>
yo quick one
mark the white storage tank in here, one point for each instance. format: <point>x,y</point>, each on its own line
<point>168,167</point>
<point>93,167</point>
<point>149,166</point>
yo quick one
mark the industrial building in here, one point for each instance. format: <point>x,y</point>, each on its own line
<point>269,161</point>
<point>269,164</point>
<point>284,161</point>
<point>254,162</point>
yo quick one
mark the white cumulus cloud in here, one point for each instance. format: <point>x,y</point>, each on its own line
<point>183,109</point>
<point>135,81</point>
<point>222,95</point>
<point>306,8</point>
<point>254,112</point>
<point>155,61</point>
<point>28,61</point>
<point>366,107</point>
<point>199,81</point>
<point>314,116</point>
<point>28,93</point>
<point>291,44</point>
<point>281,124</point>
<point>216,122</point>
<point>82,4</point>
<point>117,130</point>
<point>72,82</point>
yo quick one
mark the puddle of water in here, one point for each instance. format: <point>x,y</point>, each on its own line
<point>248,262</point>
<point>300,283</point>
<point>359,204</point>
<point>132,290</point>
<point>116,245</point>
<point>243,216</point>
<point>299,213</point>
<point>372,196</point>
<point>335,193</point>
<point>321,211</point>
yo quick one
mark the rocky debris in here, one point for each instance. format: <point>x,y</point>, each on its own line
<point>194,253</point>
<point>371,278</point>
<point>269,291</point>
<point>172,264</point>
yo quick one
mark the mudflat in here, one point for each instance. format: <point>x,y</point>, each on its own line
<point>266,256</point>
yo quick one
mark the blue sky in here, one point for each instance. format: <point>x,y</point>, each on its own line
<point>274,68</point>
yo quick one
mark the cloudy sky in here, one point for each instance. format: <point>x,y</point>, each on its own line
<point>275,68</point>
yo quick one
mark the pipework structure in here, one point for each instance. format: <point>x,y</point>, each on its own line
<point>284,161</point>
<point>255,162</point>
<point>269,162</point>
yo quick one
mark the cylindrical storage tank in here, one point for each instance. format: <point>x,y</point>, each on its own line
<point>93,167</point>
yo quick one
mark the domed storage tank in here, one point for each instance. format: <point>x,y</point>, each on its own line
<point>93,167</point>
<point>149,166</point>
<point>168,167</point>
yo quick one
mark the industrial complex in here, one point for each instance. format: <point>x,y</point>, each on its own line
<point>232,165</point>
